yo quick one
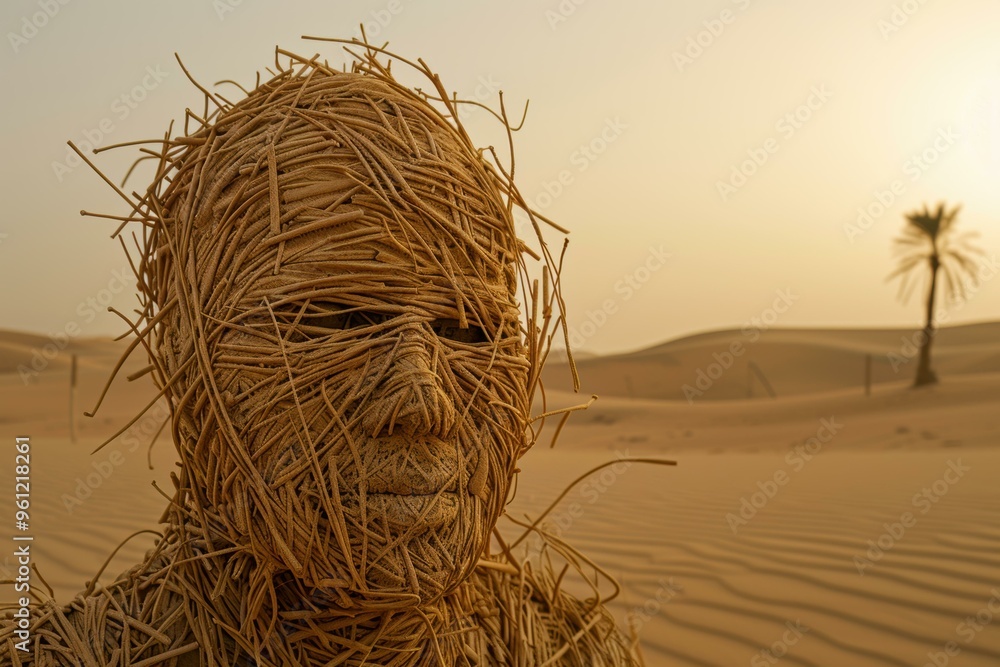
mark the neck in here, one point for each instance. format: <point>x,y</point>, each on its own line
<point>239,607</point>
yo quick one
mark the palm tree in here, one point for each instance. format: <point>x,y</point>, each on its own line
<point>930,240</point>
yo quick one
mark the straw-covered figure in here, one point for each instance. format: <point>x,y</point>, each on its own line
<point>329,276</point>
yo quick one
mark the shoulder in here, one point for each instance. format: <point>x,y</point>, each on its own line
<point>528,619</point>
<point>103,622</point>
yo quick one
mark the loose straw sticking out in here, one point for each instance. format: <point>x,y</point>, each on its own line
<point>328,272</point>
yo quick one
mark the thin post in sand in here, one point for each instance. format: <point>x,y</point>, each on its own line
<point>72,397</point>
<point>755,369</point>
<point>868,374</point>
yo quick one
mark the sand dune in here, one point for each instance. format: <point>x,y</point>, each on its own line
<point>709,596</point>
<point>757,549</point>
<point>793,361</point>
<point>959,412</point>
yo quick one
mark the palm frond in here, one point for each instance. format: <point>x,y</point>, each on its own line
<point>905,266</point>
<point>910,240</point>
<point>964,265</point>
<point>947,219</point>
<point>962,244</point>
<point>906,287</point>
<point>929,237</point>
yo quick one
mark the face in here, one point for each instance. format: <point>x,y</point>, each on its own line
<point>383,428</point>
<point>365,386</point>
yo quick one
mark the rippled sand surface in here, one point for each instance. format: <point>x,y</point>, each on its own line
<point>870,538</point>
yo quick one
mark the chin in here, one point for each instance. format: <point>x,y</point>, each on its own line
<point>418,545</point>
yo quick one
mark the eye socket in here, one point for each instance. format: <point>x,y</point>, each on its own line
<point>334,321</point>
<point>451,330</point>
<point>320,318</point>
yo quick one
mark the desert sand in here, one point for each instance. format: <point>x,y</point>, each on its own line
<point>821,527</point>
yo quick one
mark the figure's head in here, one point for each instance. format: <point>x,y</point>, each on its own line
<point>334,268</point>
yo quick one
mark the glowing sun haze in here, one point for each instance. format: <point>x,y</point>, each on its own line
<point>706,156</point>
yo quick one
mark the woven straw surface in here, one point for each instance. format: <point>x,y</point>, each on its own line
<point>329,274</point>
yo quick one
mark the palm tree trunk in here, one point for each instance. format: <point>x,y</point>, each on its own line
<point>925,375</point>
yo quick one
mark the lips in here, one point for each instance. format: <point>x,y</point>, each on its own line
<point>412,500</point>
<point>408,486</point>
<point>411,483</point>
<point>414,512</point>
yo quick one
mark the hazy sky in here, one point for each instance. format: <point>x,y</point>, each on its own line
<point>642,109</point>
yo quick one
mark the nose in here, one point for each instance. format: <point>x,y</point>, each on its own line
<point>409,395</point>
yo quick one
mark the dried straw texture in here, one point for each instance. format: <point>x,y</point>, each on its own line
<point>328,272</point>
